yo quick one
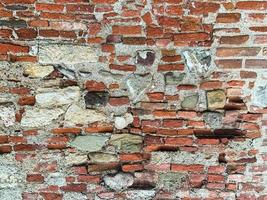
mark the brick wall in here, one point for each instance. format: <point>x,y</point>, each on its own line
<point>133,99</point>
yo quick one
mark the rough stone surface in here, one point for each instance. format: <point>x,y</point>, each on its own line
<point>37,71</point>
<point>74,159</point>
<point>259,96</point>
<point>213,119</point>
<point>145,57</point>
<point>198,62</point>
<point>35,117</point>
<point>89,143</point>
<point>102,157</point>
<point>96,99</point>
<point>174,78</point>
<point>190,102</point>
<point>171,180</point>
<point>66,54</point>
<point>77,115</point>
<point>120,181</point>
<point>137,85</point>
<point>122,122</point>
<point>52,98</point>
<point>126,142</point>
<point>216,99</point>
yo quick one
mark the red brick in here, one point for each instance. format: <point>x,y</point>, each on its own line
<point>174,10</point>
<point>132,167</point>
<point>203,8</point>
<point>215,178</point>
<point>119,101</point>
<point>229,63</point>
<point>49,7</point>
<point>179,141</point>
<point>66,130</point>
<point>75,187</point>
<point>5,149</point>
<point>88,179</point>
<point>83,8</point>
<point>13,48</point>
<point>188,168</point>
<point>3,139</point>
<point>126,30</point>
<point>154,32</point>
<point>216,169</point>
<point>258,28</point>
<point>51,196</point>
<point>187,114</point>
<point>208,141</point>
<point>36,178</point>
<point>130,68</point>
<point>228,17</point>
<point>251,5</point>
<point>173,123</point>
<point>95,86</point>
<point>248,74</point>
<point>164,114</point>
<point>239,51</point>
<point>171,67</point>
<point>237,39</point>
<point>26,100</point>
<point>25,147</point>
<point>211,85</point>
<point>184,39</point>
<point>256,63</point>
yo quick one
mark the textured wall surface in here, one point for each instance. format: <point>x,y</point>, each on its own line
<point>133,99</point>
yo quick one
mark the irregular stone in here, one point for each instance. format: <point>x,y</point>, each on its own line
<point>102,157</point>
<point>171,180</point>
<point>213,119</point>
<point>74,159</point>
<point>66,54</point>
<point>174,78</point>
<point>59,97</point>
<point>35,117</point>
<point>69,73</point>
<point>126,142</point>
<point>96,99</point>
<point>35,70</point>
<point>145,57</point>
<point>259,96</point>
<point>137,85</point>
<point>190,102</point>
<point>77,115</point>
<point>120,181</point>
<point>89,143</point>
<point>141,194</point>
<point>122,122</point>
<point>216,99</point>
<point>198,62</point>
<point>12,23</point>
<point>7,115</point>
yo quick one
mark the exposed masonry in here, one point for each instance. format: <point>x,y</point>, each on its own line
<point>119,99</point>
